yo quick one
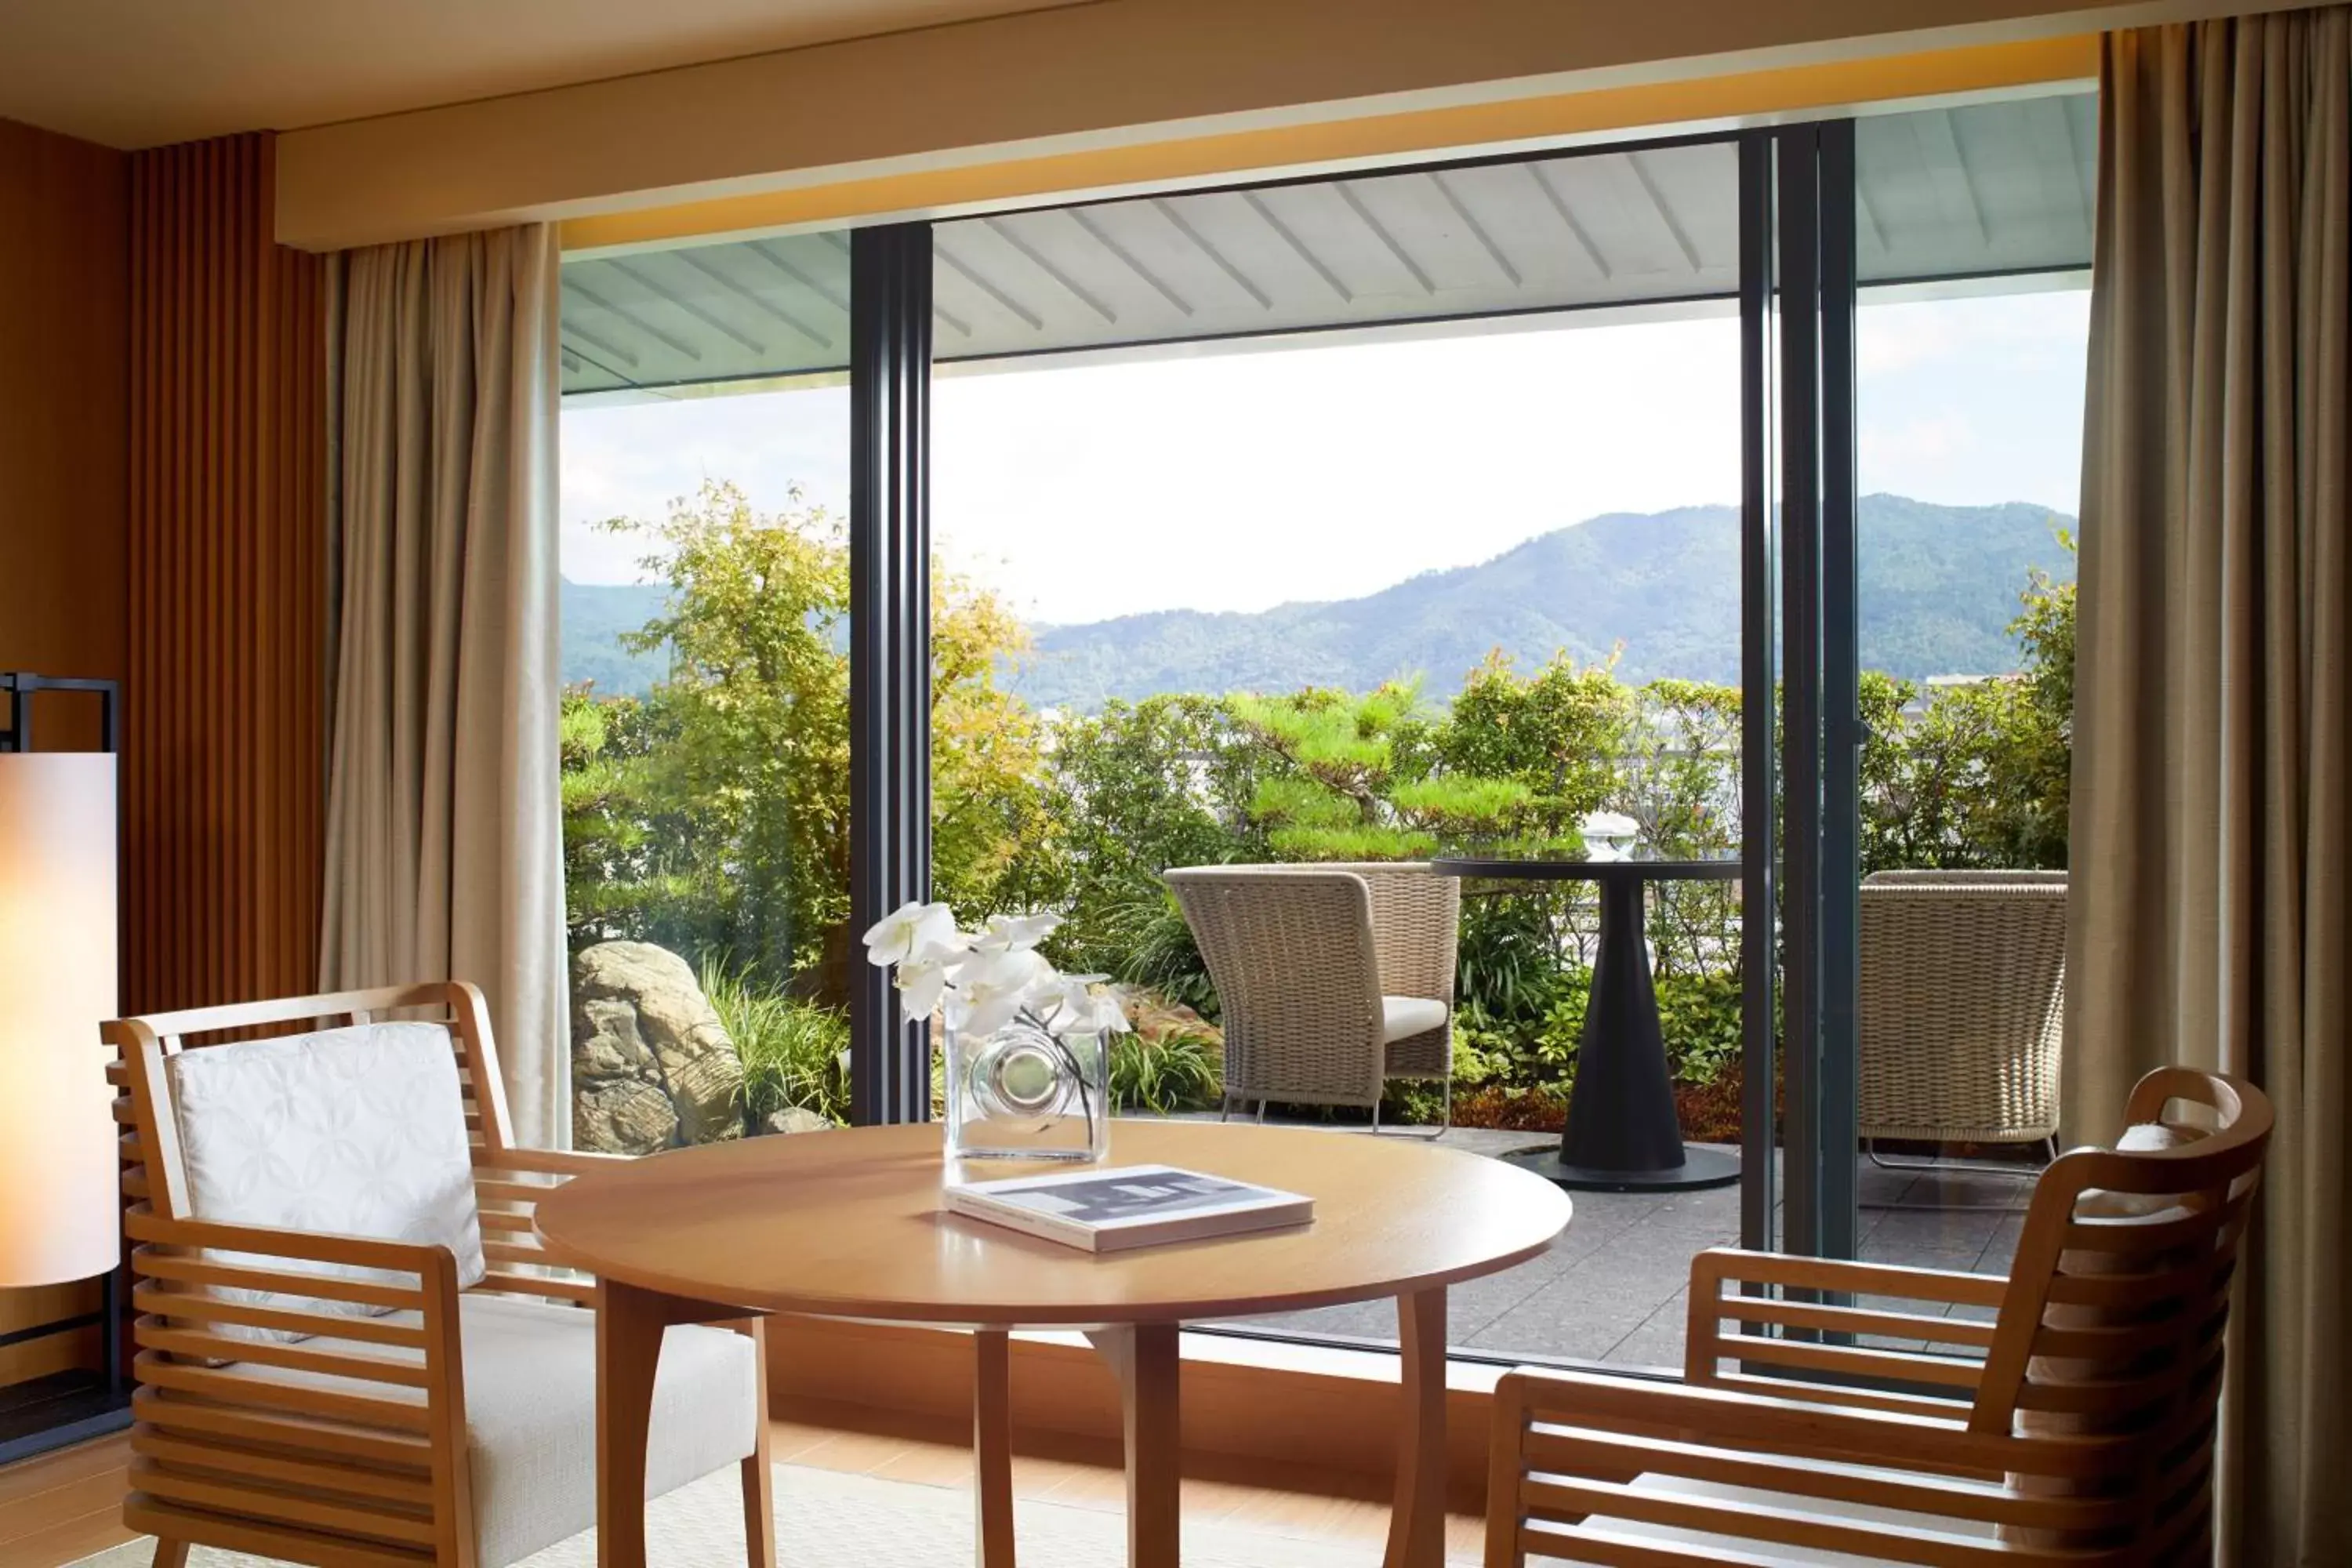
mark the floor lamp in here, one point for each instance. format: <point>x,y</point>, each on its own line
<point>60,1200</point>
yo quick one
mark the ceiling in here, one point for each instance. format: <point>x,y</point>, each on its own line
<point>140,73</point>
<point>1974,192</point>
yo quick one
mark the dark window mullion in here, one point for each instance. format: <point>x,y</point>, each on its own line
<point>889,647</point>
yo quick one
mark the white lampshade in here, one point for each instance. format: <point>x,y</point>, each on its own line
<point>59,1197</point>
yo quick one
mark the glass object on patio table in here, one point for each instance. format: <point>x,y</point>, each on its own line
<point>1024,1092</point>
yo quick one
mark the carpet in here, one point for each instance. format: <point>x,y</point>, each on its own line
<point>831,1519</point>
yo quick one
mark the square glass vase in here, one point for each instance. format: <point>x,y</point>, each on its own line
<point>1025,1093</point>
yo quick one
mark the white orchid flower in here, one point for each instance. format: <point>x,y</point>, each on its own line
<point>922,982</point>
<point>1014,934</point>
<point>990,989</point>
<point>1109,1015</point>
<point>912,931</point>
<point>1609,824</point>
<point>1060,999</point>
<point>1070,1005</point>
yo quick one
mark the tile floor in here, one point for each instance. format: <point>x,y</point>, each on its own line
<point>1613,1289</point>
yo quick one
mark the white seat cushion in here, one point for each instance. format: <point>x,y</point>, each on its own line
<point>352,1131</point>
<point>1402,1018</point>
<point>530,1414</point>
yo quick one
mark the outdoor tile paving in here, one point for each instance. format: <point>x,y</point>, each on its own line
<point>1613,1289</point>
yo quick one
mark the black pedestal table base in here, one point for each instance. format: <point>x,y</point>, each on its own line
<point>1700,1168</point>
<point>1622,1134</point>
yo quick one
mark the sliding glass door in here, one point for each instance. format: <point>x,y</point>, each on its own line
<point>1380,516</point>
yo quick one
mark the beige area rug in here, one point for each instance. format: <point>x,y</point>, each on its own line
<point>830,1518</point>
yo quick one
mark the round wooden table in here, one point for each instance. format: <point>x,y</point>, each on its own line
<point>850,1224</point>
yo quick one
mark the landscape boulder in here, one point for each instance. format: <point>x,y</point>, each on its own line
<point>651,1065</point>
<point>1154,1017</point>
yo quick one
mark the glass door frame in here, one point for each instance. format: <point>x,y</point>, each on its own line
<point>1800,720</point>
<point>1821,734</point>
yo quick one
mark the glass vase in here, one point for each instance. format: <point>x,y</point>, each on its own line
<point>1024,1092</point>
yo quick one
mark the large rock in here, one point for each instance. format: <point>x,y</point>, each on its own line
<point>1154,1017</point>
<point>642,1033</point>
<point>621,1116</point>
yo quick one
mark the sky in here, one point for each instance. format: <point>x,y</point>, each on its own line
<point>1327,471</point>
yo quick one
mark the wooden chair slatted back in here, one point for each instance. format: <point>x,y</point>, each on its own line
<point>2111,1338</point>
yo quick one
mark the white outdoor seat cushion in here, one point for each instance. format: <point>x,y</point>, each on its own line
<point>1402,1018</point>
<point>351,1132</point>
<point>530,1414</point>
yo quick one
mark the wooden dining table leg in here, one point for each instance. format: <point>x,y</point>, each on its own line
<point>629,1327</point>
<point>630,1323</point>
<point>992,1448</point>
<point>1146,1360</point>
<point>1417,1518</point>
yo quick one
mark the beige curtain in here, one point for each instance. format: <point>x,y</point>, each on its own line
<point>2211,792</point>
<point>444,832</point>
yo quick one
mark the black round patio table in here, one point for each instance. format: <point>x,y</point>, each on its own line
<point>1622,1134</point>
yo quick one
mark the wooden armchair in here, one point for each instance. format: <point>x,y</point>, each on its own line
<point>1332,978</point>
<point>2074,1421</point>
<point>374,1400</point>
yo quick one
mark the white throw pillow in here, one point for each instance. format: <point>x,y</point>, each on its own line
<point>352,1131</point>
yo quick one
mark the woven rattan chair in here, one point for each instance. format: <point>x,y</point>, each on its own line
<point>1963,990</point>
<point>1332,978</point>
<point>2067,1417</point>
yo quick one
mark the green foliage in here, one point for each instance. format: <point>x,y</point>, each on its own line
<point>1137,788</point>
<point>1378,777</point>
<point>711,815</point>
<point>1173,1073</point>
<point>1698,1017</point>
<point>1507,968</point>
<point>1144,939</point>
<point>1976,774</point>
<point>791,1049</point>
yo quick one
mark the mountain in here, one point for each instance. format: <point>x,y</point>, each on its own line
<point>1939,586</point>
<point>594,615</point>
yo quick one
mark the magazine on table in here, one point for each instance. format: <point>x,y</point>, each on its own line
<point>1129,1205</point>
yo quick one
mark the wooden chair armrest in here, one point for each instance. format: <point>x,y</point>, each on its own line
<point>1718,1265</point>
<point>1795,1427</point>
<point>420,1259</point>
<point>548,1161</point>
<point>194,1280</point>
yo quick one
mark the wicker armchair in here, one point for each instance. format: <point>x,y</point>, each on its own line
<point>1963,989</point>
<point>1332,978</point>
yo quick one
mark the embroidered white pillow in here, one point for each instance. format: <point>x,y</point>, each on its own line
<point>352,1131</point>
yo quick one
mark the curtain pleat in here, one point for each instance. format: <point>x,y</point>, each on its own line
<point>2212,789</point>
<point>445,838</point>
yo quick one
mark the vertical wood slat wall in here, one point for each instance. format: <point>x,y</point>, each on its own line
<point>224,712</point>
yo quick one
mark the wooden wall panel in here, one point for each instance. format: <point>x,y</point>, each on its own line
<point>65,299</point>
<point>225,740</point>
<point>65,321</point>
